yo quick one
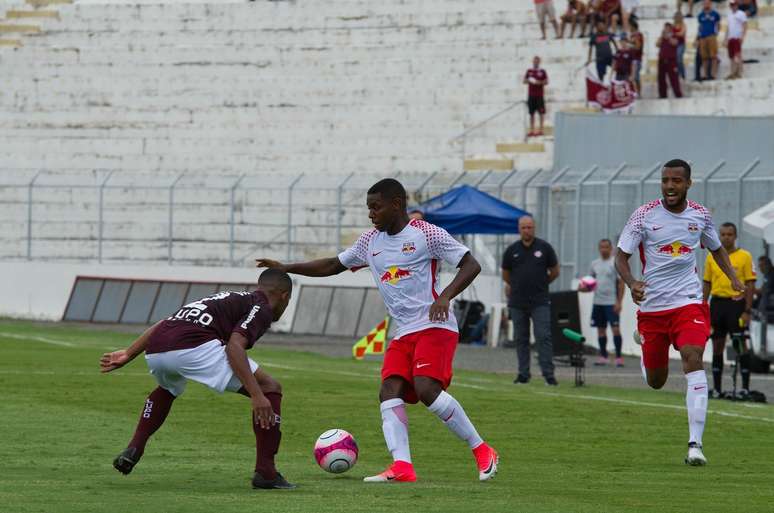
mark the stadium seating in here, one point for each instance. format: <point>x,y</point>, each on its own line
<point>217,89</point>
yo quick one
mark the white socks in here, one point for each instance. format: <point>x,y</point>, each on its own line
<point>696,402</point>
<point>451,413</point>
<point>395,428</point>
<point>644,372</point>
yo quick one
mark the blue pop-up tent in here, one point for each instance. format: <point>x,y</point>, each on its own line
<point>465,209</point>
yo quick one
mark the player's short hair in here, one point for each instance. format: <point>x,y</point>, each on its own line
<point>390,189</point>
<point>680,163</point>
<point>275,279</point>
<point>729,225</point>
<point>605,240</point>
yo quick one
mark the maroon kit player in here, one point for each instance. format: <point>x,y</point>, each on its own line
<point>206,341</point>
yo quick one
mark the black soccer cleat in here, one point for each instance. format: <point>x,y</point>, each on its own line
<point>126,461</point>
<point>278,483</point>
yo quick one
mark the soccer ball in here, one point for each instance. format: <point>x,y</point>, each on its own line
<point>335,451</point>
<point>589,282</point>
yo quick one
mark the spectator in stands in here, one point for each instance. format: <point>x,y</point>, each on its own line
<point>577,13</point>
<point>610,11</point>
<point>709,26</point>
<point>528,266</point>
<point>749,7</point>
<point>545,9</point>
<point>536,79</point>
<point>623,64</point>
<point>637,43</point>
<point>690,7</point>
<point>679,32</point>
<point>600,42</point>
<point>667,62</point>
<point>735,33</point>
<point>628,10</point>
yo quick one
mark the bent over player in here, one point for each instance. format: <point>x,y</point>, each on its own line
<point>206,341</point>
<point>667,233</point>
<point>404,259</point>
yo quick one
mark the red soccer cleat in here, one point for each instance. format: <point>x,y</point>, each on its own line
<point>399,472</point>
<point>487,460</point>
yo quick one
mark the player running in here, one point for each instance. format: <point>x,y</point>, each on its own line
<point>206,341</point>
<point>404,256</point>
<point>668,233</point>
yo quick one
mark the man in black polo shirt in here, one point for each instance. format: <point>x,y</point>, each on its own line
<point>529,265</point>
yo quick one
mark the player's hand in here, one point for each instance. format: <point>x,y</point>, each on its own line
<point>739,287</point>
<point>507,290</point>
<point>271,264</point>
<point>638,291</point>
<point>112,361</point>
<point>617,308</point>
<point>744,320</point>
<point>439,310</point>
<point>263,415</point>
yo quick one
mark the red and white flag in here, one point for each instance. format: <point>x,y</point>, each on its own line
<point>617,97</point>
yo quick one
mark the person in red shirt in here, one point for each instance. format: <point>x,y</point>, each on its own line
<point>536,79</point>
<point>577,12</point>
<point>637,43</point>
<point>610,11</point>
<point>623,64</point>
<point>667,62</point>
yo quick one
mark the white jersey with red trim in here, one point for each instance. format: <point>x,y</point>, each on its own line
<point>406,267</point>
<point>667,244</point>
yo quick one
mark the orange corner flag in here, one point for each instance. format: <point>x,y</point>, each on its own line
<point>373,343</point>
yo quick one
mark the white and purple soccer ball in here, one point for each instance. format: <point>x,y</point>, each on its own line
<point>335,451</point>
<point>588,282</point>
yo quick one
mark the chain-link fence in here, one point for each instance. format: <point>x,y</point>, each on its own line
<point>221,220</point>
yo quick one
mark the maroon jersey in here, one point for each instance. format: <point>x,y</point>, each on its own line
<point>213,317</point>
<point>536,90</point>
<point>668,49</point>
<point>638,41</point>
<point>623,60</point>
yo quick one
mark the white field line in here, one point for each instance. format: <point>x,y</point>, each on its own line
<point>376,375</point>
<point>36,338</point>
<point>653,405</point>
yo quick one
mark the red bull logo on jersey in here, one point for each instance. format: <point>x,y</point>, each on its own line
<point>408,248</point>
<point>693,227</point>
<point>675,249</point>
<point>394,274</point>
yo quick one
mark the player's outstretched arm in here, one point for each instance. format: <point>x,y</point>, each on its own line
<point>117,359</point>
<point>237,358</point>
<point>721,258</point>
<point>468,270</point>
<point>316,268</point>
<point>625,272</point>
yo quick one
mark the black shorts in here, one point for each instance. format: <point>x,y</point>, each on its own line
<point>536,104</point>
<point>724,316</point>
<point>602,315</point>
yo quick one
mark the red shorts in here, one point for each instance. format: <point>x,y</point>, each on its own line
<point>734,48</point>
<point>688,325</point>
<point>428,353</point>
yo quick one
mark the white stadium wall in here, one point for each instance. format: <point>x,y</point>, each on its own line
<point>41,291</point>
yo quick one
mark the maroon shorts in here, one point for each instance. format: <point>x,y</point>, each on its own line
<point>688,325</point>
<point>428,353</point>
<point>734,48</point>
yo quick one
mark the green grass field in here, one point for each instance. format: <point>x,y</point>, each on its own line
<point>592,449</point>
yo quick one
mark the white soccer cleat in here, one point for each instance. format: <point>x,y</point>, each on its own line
<point>695,457</point>
<point>637,338</point>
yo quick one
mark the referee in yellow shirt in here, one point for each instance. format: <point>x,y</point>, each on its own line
<point>729,312</point>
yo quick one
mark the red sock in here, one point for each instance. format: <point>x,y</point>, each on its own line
<point>267,441</point>
<point>156,409</point>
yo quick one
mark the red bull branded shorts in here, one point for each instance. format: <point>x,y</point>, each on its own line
<point>687,325</point>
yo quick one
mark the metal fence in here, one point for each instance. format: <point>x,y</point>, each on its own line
<point>107,216</point>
